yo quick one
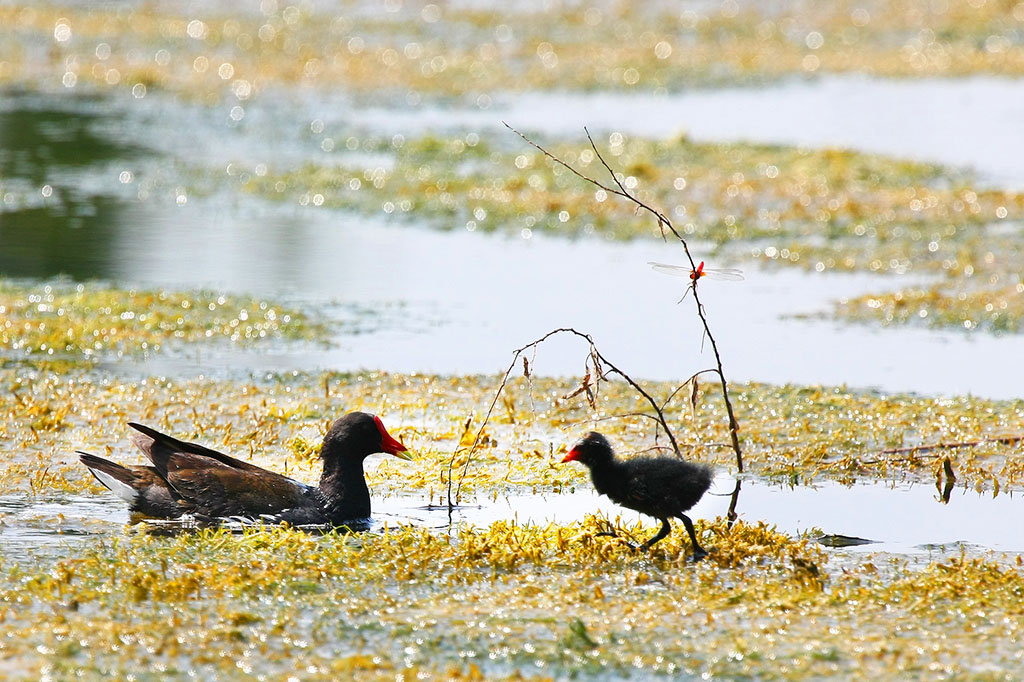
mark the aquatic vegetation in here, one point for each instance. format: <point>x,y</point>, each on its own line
<point>866,212</point>
<point>999,310</point>
<point>505,600</point>
<point>501,601</point>
<point>788,433</point>
<point>84,320</point>
<point>218,56</point>
<point>822,210</point>
<point>819,210</point>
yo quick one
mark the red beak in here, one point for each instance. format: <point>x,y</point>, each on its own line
<point>571,456</point>
<point>389,443</point>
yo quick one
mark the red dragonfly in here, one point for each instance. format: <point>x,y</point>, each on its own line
<point>725,274</point>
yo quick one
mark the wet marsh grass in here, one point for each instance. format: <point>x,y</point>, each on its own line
<point>505,600</point>
<point>995,309</point>
<point>79,321</point>
<point>502,600</point>
<point>760,196</point>
<point>278,421</point>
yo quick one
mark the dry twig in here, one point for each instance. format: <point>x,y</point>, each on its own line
<point>598,368</point>
<point>620,190</point>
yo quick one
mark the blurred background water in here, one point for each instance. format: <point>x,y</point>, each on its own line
<point>96,187</point>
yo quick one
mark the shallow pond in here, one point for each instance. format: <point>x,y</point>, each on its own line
<point>455,302</point>
<point>895,518</point>
<point>965,122</point>
<point>461,303</point>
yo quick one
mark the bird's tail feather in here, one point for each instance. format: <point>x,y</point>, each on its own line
<point>111,475</point>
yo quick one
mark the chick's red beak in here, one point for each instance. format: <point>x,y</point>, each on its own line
<point>390,444</point>
<point>571,456</point>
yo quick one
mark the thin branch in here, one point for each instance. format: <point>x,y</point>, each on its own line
<point>686,383</point>
<point>627,415</point>
<point>663,222</point>
<point>476,440</point>
<point>623,192</point>
<point>734,498</point>
<point>572,170</point>
<point>603,368</point>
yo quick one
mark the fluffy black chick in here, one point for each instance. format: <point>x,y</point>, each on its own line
<point>662,487</point>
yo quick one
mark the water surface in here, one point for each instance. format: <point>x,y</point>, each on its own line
<point>898,518</point>
<point>965,122</point>
<point>414,299</point>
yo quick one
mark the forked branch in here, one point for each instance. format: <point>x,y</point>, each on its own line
<point>598,370</point>
<point>620,190</point>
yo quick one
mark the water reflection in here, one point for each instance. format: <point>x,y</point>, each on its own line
<point>905,518</point>
<point>57,226</point>
<point>35,142</point>
<point>32,528</point>
<point>74,238</point>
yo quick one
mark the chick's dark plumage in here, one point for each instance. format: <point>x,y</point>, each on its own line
<point>662,487</point>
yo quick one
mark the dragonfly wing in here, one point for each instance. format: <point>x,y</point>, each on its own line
<point>674,270</point>
<point>727,274</point>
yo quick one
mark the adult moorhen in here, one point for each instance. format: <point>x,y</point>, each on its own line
<point>190,478</point>
<point>662,487</point>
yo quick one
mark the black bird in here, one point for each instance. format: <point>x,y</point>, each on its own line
<point>662,487</point>
<point>189,478</point>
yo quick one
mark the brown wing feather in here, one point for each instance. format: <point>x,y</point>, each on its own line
<point>159,448</point>
<point>126,475</point>
<point>218,489</point>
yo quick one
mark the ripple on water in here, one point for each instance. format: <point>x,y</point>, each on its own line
<point>57,525</point>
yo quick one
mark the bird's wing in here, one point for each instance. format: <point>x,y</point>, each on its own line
<point>218,489</point>
<point>637,491</point>
<point>159,448</point>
